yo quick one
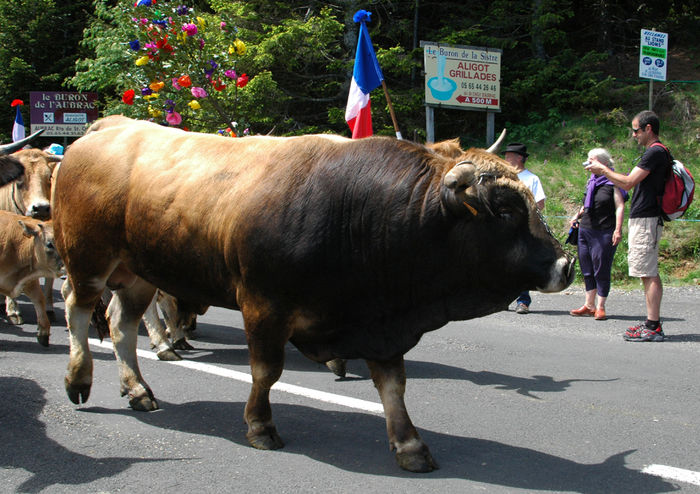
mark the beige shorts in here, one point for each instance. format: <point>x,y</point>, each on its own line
<point>643,254</point>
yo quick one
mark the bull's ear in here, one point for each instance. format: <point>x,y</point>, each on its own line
<point>28,231</point>
<point>455,185</point>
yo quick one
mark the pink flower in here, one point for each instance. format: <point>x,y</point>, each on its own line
<point>175,84</point>
<point>190,29</point>
<point>174,118</point>
<point>231,74</point>
<point>198,92</point>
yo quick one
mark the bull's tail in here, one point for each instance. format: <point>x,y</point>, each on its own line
<point>99,320</point>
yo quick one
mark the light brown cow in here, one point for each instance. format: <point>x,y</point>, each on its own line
<point>345,248</point>
<point>30,196</point>
<point>27,253</point>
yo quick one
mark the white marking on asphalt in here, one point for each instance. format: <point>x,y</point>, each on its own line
<point>673,473</point>
<point>367,406</point>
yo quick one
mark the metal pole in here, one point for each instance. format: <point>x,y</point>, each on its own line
<point>651,94</point>
<point>429,124</point>
<point>490,127</point>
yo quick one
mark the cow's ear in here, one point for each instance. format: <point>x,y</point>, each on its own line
<point>455,185</point>
<point>28,231</point>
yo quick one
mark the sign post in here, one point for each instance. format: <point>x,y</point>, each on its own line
<point>653,51</point>
<point>461,77</point>
<point>62,113</point>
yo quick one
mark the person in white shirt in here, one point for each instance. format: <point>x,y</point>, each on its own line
<point>516,154</point>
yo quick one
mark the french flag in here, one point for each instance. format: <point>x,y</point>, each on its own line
<point>18,132</point>
<point>366,76</point>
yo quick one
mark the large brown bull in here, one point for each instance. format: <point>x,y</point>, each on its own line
<point>346,248</point>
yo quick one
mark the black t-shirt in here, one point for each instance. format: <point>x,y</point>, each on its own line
<point>645,200</point>
<point>601,214</point>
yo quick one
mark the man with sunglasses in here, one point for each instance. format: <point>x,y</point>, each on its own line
<point>645,221</point>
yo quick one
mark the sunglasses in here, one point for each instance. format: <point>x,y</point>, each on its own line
<point>634,131</point>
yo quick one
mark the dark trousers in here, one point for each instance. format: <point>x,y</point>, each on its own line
<point>595,256</point>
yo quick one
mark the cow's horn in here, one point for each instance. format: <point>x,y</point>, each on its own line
<point>461,176</point>
<point>494,147</point>
<point>14,146</point>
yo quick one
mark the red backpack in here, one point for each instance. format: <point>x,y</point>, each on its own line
<point>678,189</point>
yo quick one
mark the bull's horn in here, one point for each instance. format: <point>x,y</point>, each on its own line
<point>494,147</point>
<point>14,146</point>
<point>461,176</point>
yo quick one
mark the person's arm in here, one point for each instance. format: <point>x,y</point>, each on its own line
<point>623,181</point>
<point>619,216</point>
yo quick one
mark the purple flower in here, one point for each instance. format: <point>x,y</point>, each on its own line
<point>182,10</point>
<point>231,74</point>
<point>145,91</point>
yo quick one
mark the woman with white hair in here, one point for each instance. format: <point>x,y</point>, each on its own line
<point>599,221</point>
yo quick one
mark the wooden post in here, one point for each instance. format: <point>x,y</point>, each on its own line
<point>391,111</point>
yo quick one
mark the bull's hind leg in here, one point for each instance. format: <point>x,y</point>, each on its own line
<point>390,380</point>
<point>157,333</point>
<point>124,314</point>
<point>78,380</point>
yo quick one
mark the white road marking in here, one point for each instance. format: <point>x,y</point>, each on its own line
<point>673,473</point>
<point>367,406</point>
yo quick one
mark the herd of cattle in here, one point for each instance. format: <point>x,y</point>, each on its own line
<point>345,248</point>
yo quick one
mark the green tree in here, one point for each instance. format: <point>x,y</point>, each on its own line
<point>38,49</point>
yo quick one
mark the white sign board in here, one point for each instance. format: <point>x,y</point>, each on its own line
<point>653,50</point>
<point>463,77</point>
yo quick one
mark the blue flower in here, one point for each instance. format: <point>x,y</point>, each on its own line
<point>135,45</point>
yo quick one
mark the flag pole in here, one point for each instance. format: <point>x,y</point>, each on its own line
<point>391,110</point>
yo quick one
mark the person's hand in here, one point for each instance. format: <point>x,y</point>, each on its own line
<point>573,223</point>
<point>596,168</point>
<point>616,237</point>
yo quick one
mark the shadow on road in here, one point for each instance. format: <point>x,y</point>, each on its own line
<point>356,442</point>
<point>26,446</point>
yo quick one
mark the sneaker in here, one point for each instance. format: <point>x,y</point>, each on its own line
<point>522,309</point>
<point>642,333</point>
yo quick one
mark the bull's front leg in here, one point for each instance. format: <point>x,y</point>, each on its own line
<point>78,380</point>
<point>32,289</point>
<point>266,364</point>
<point>390,380</point>
<point>124,314</point>
<point>47,288</point>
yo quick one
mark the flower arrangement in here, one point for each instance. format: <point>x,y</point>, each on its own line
<point>184,67</point>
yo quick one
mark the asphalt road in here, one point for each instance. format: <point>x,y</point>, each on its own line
<point>542,402</point>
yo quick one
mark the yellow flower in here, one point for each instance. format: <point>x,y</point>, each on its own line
<point>154,112</point>
<point>239,46</point>
<point>202,23</point>
<point>149,97</point>
<point>143,60</point>
<point>182,37</point>
<point>194,104</point>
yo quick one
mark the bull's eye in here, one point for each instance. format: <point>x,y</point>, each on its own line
<point>505,214</point>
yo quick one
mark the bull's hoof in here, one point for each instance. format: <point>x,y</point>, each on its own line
<point>182,344</point>
<point>43,339</point>
<point>143,403</point>
<point>51,315</point>
<point>265,439</point>
<point>16,319</point>
<point>168,355</point>
<point>77,393</point>
<point>337,366</point>
<point>419,462</point>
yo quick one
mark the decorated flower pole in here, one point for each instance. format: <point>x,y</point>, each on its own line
<point>184,64</point>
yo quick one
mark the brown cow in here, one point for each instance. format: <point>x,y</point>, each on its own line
<point>346,248</point>
<point>27,253</point>
<point>29,196</point>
